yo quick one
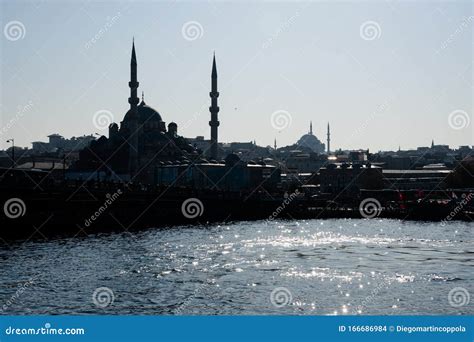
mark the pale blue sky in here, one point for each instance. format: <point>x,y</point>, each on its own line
<point>308,59</point>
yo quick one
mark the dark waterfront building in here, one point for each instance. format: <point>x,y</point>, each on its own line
<point>232,174</point>
<point>58,143</point>
<point>56,155</point>
<point>304,162</point>
<point>350,178</point>
<point>347,179</point>
<point>436,156</point>
<point>415,179</point>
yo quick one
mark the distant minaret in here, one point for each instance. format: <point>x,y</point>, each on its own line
<point>311,127</point>
<point>329,140</point>
<point>214,109</point>
<point>133,100</point>
<point>432,143</point>
<point>275,144</point>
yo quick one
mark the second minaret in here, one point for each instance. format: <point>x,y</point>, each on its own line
<point>214,109</point>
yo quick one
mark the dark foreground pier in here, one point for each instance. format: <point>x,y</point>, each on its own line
<point>71,211</point>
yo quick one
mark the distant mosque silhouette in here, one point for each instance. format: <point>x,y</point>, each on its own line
<point>310,141</point>
<point>142,142</point>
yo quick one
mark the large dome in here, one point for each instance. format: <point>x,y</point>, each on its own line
<point>312,142</point>
<point>146,114</point>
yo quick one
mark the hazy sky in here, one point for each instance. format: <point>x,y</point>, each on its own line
<point>384,73</point>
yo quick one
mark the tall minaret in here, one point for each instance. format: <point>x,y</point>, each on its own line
<point>329,140</point>
<point>311,127</point>
<point>214,109</point>
<point>133,124</point>
<point>133,84</point>
<point>275,144</point>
